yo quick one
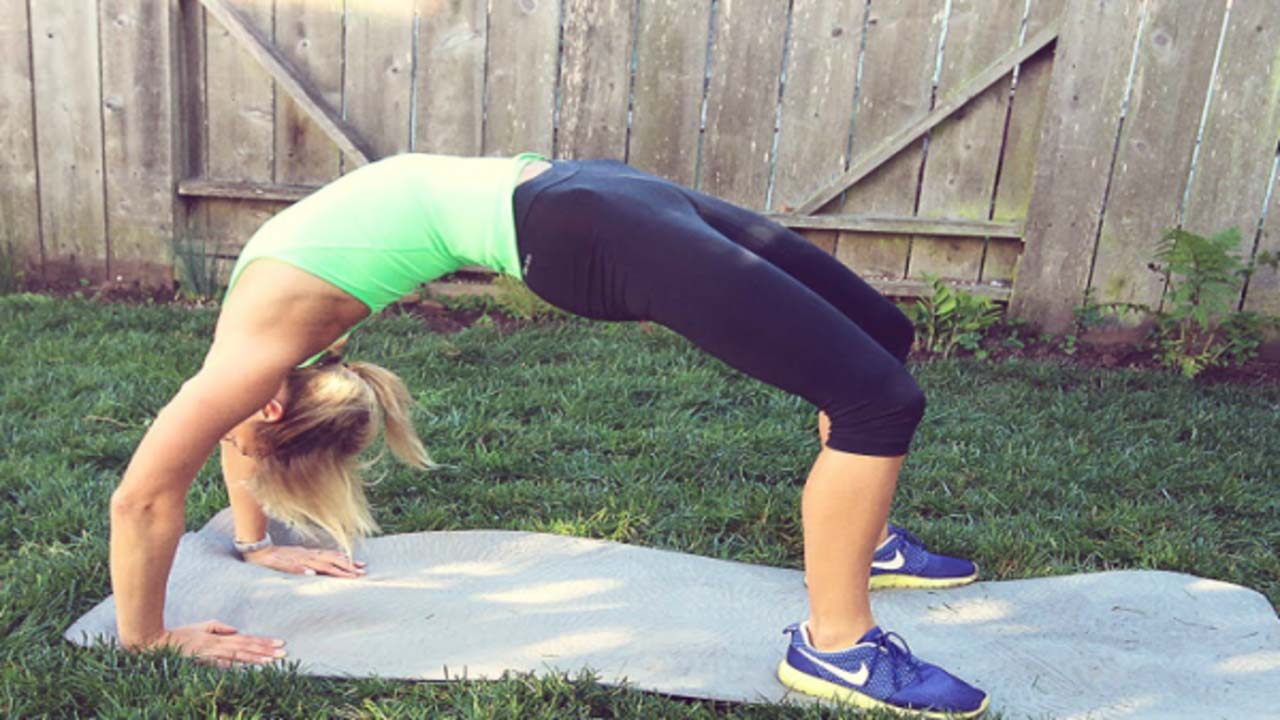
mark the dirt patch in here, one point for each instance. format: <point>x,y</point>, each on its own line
<point>1110,350</point>
<point>441,319</point>
<point>128,293</point>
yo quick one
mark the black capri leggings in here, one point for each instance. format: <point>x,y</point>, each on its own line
<point>601,239</point>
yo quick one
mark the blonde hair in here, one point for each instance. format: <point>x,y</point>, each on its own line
<point>309,475</point>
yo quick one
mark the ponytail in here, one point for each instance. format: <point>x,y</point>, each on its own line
<point>309,476</point>
<point>395,403</point>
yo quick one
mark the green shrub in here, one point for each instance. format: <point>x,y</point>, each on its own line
<point>948,318</point>
<point>1197,325</point>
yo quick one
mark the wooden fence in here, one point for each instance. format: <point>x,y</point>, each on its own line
<point>1029,149</point>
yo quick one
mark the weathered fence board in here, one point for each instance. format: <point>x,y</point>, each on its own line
<point>19,195</point>
<point>671,62</point>
<point>234,221</point>
<point>523,54</point>
<point>960,171</point>
<point>817,101</point>
<point>816,105</point>
<point>897,81</point>
<point>192,133</point>
<point>1175,59</point>
<point>309,35</point>
<point>1018,164</point>
<point>595,78</point>
<point>240,101</point>
<point>262,50</point>
<point>1239,144</point>
<point>1085,100</point>
<point>68,112</point>
<point>1263,295</point>
<point>450,82</point>
<point>742,100</point>
<point>917,128</point>
<point>902,225</point>
<point>192,136</point>
<point>379,55</point>
<point>137,116</point>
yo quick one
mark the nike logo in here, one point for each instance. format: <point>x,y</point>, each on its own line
<point>897,562</point>
<point>858,678</point>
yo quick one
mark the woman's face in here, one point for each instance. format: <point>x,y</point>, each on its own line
<point>243,437</point>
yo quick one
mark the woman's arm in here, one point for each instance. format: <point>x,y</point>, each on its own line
<point>251,526</point>
<point>249,519</point>
<point>277,316</point>
<point>148,508</point>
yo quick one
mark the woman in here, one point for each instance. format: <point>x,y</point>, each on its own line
<point>595,238</point>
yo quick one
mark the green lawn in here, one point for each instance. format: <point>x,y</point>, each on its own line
<point>606,431</point>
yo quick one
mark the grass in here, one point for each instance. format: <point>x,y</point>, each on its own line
<point>612,432</point>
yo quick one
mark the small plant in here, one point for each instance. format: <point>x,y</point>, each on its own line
<point>1013,342</point>
<point>197,270</point>
<point>10,275</point>
<point>1198,327</point>
<point>947,318</point>
<point>1093,314</point>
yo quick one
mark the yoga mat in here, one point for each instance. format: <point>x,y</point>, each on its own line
<point>471,604</point>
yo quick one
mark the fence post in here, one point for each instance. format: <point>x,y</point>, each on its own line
<point>1086,94</point>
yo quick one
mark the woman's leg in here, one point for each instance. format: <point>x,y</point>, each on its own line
<point>813,267</point>
<point>883,321</point>
<point>836,283</point>
<point>647,254</point>
<point>607,245</point>
<point>843,511</point>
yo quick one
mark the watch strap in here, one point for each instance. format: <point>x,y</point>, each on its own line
<point>245,548</point>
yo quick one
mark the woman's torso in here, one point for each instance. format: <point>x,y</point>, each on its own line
<point>381,231</point>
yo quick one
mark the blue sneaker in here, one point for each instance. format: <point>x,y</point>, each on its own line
<point>878,673</point>
<point>903,562</point>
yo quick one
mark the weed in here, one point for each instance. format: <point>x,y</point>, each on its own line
<point>1070,344</point>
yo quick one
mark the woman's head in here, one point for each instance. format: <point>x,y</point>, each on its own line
<point>308,441</point>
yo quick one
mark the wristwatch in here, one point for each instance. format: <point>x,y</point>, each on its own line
<point>245,548</point>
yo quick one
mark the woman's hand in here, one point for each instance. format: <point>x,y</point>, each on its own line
<point>306,561</point>
<point>219,644</point>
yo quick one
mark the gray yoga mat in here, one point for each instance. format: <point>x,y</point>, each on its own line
<point>471,604</point>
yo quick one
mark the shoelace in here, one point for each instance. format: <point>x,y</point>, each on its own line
<point>889,644</point>
<point>907,536</point>
<point>899,655</point>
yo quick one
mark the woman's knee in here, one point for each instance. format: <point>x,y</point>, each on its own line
<point>880,422</point>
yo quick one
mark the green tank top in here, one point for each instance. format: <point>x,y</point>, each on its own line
<point>382,230</point>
